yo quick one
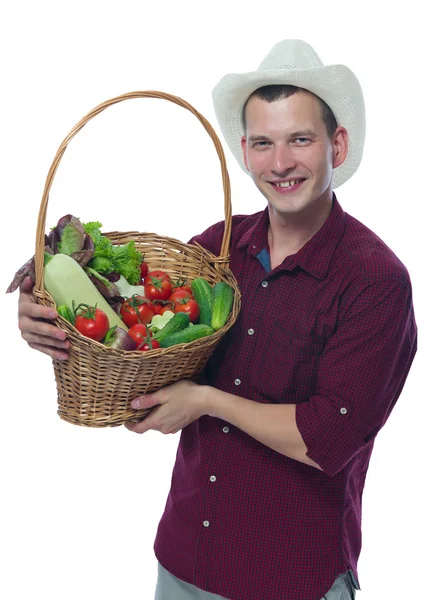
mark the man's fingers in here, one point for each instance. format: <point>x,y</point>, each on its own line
<point>29,308</point>
<point>43,340</point>
<point>31,326</point>
<point>53,352</point>
<point>150,400</point>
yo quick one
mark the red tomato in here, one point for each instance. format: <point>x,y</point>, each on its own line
<point>160,306</point>
<point>143,270</point>
<point>169,307</point>
<point>141,335</point>
<point>157,273</point>
<point>137,310</point>
<point>180,285</point>
<point>158,285</point>
<point>189,306</point>
<point>91,322</point>
<point>180,293</point>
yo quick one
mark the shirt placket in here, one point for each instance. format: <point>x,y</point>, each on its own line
<point>209,524</point>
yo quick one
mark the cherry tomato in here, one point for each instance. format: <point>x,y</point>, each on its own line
<point>188,306</point>
<point>143,270</point>
<point>140,334</point>
<point>158,285</point>
<point>137,309</point>
<point>91,322</point>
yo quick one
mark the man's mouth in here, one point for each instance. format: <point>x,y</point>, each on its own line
<point>287,186</point>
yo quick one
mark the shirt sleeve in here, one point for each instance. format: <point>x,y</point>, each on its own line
<point>360,375</point>
<point>211,238</point>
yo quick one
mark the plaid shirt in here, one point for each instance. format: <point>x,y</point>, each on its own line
<point>331,330</point>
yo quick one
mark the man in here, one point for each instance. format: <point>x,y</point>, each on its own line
<point>277,434</point>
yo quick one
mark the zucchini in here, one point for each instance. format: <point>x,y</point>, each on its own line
<point>175,324</point>
<point>204,297</point>
<point>223,297</point>
<point>186,335</point>
<point>67,282</point>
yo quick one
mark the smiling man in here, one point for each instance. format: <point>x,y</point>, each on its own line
<point>265,499</point>
<point>277,434</point>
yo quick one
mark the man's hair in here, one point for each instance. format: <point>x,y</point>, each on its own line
<point>270,93</point>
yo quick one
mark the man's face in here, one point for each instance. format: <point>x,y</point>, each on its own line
<point>289,154</point>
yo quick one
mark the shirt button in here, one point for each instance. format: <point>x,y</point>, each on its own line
<point>250,331</point>
<point>343,411</point>
<point>213,478</point>
<point>264,283</point>
<point>206,523</point>
<point>237,382</point>
<point>226,429</point>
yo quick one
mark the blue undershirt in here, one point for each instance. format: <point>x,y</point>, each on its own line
<point>264,259</point>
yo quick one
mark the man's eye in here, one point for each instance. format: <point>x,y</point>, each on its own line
<point>301,139</point>
<point>260,144</point>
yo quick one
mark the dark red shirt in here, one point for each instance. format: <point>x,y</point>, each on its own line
<point>331,330</point>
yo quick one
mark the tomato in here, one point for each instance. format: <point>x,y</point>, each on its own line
<point>137,310</point>
<point>169,306</point>
<point>91,322</point>
<point>180,293</point>
<point>160,306</point>
<point>180,285</point>
<point>189,306</point>
<point>158,285</point>
<point>141,335</point>
<point>143,270</point>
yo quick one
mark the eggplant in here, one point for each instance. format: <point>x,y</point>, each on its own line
<point>118,339</point>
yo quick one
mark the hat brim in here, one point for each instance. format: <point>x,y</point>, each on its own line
<point>335,84</point>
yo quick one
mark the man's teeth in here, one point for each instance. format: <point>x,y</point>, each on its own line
<point>288,183</point>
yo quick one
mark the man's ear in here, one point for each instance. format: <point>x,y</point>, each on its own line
<point>244,151</point>
<point>340,147</point>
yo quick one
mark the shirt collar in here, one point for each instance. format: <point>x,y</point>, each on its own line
<point>315,256</point>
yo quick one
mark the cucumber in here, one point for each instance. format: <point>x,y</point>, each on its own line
<point>223,297</point>
<point>186,335</point>
<point>204,297</point>
<point>175,324</point>
<point>65,312</point>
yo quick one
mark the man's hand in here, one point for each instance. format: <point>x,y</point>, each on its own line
<point>40,335</point>
<point>176,406</point>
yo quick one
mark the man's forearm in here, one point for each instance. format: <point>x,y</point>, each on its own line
<point>271,424</point>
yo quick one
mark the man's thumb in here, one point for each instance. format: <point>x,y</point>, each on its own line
<point>26,285</point>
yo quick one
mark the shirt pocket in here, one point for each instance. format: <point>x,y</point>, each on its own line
<point>287,360</point>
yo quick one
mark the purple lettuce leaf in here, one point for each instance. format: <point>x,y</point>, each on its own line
<point>27,269</point>
<point>84,256</point>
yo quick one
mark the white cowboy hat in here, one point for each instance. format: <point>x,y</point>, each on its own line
<point>294,62</point>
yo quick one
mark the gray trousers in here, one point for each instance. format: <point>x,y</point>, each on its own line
<point>172,588</point>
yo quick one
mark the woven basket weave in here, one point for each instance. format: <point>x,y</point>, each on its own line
<point>96,384</point>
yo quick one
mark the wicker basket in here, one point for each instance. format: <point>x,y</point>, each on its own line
<point>96,384</point>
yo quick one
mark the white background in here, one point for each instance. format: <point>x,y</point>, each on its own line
<point>80,507</point>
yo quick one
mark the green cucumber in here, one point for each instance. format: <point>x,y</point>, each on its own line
<point>186,335</point>
<point>177,323</point>
<point>203,295</point>
<point>223,297</point>
<point>65,312</point>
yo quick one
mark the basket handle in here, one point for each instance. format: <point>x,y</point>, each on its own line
<point>40,233</point>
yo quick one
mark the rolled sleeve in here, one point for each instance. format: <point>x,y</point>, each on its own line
<point>360,375</point>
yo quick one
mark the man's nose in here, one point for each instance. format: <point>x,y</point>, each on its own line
<point>283,161</point>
